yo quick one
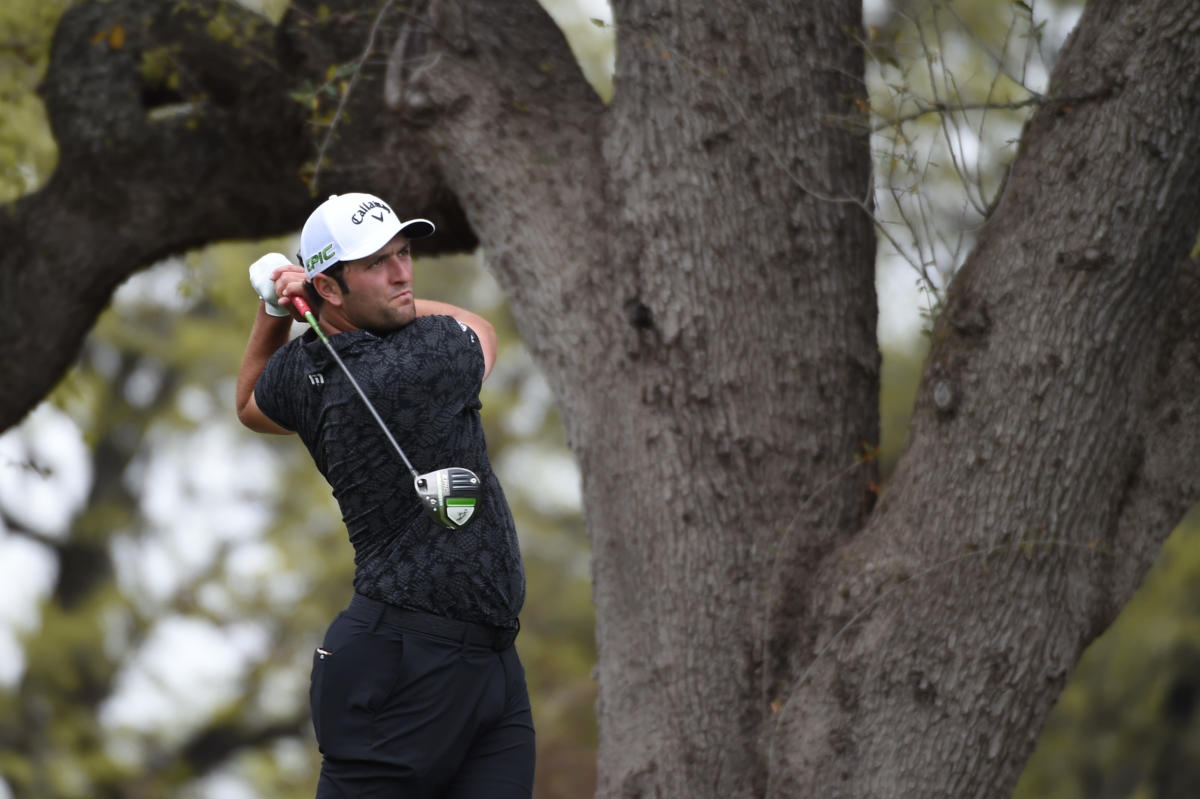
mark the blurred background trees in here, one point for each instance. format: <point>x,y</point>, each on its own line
<point>191,566</point>
<point>166,573</point>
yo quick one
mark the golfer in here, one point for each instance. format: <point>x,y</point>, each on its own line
<point>416,690</point>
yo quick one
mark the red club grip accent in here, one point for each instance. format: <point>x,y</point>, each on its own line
<point>301,305</point>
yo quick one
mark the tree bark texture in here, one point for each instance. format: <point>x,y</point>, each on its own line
<point>747,312</point>
<point>693,267</point>
<point>1051,450</point>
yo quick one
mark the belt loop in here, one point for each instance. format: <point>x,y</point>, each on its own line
<point>379,609</point>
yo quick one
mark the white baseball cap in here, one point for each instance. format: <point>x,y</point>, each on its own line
<point>350,226</point>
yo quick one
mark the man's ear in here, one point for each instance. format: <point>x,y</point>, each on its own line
<point>328,288</point>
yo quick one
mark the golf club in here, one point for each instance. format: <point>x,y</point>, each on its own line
<point>448,495</point>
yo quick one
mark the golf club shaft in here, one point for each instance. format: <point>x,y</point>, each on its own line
<point>302,307</point>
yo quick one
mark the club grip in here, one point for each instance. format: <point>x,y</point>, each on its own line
<point>301,305</point>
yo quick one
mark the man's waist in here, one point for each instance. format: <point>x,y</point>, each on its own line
<point>484,635</point>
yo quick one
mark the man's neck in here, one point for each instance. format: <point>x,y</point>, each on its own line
<point>333,321</point>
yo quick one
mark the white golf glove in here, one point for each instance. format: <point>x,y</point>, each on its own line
<point>264,286</point>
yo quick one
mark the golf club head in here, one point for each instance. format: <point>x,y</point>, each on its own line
<point>449,495</point>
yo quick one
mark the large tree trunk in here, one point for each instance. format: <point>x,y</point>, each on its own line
<point>693,267</point>
<point>740,378</point>
<point>700,307</point>
<point>1051,450</point>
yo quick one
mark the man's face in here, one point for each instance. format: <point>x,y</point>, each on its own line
<point>380,296</point>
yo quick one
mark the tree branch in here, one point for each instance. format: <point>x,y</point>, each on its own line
<point>177,126</point>
<point>130,188</point>
<point>495,91</point>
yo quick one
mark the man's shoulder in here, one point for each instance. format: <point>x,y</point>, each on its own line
<point>434,322</point>
<point>435,327</point>
<point>436,344</point>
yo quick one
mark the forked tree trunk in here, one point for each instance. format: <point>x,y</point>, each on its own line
<point>1052,447</point>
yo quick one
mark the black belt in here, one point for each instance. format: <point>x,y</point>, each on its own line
<point>495,638</point>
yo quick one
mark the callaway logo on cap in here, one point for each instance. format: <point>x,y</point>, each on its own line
<point>350,226</point>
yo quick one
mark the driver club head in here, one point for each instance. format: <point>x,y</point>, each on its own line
<point>449,495</point>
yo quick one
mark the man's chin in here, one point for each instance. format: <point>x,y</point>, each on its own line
<point>407,314</point>
<point>393,321</point>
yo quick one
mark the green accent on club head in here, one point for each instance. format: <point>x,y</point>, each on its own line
<point>464,501</point>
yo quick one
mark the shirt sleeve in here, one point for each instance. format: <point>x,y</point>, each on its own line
<point>466,354</point>
<point>271,400</point>
<point>472,359</point>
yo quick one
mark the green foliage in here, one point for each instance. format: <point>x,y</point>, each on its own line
<point>1127,725</point>
<point>27,150</point>
<point>900,377</point>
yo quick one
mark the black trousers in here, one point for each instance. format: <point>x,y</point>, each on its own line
<point>415,714</point>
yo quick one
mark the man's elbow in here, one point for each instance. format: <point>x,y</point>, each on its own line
<point>489,343</point>
<point>249,414</point>
<point>244,417</point>
<point>488,334</point>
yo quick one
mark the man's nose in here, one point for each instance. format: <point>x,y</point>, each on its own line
<point>399,268</point>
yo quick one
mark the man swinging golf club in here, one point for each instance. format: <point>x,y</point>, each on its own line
<point>417,690</point>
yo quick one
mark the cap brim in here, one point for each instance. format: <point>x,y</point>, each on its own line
<point>417,228</point>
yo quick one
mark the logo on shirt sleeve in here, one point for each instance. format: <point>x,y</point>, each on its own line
<point>470,333</point>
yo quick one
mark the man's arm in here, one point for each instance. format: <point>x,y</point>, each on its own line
<point>482,328</point>
<point>268,334</point>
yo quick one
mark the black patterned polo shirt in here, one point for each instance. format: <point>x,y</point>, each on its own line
<point>424,381</point>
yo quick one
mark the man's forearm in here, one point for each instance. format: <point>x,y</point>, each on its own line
<point>268,334</point>
<point>438,308</point>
